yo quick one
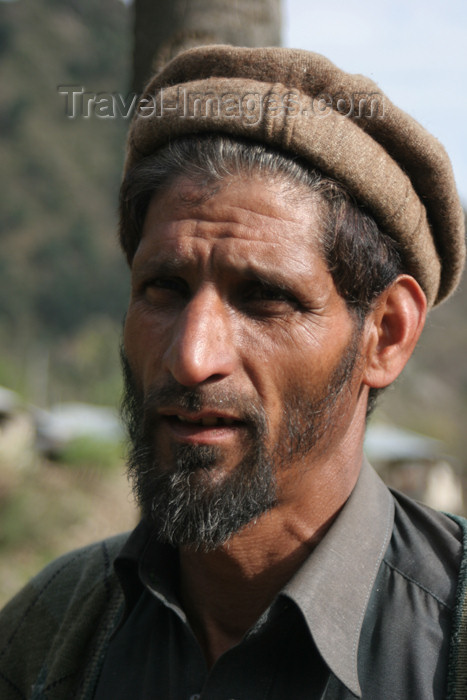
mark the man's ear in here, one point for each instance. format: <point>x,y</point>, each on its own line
<point>392,331</point>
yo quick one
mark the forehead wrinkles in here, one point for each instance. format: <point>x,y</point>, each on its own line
<point>269,222</point>
<point>209,245</point>
<point>237,199</point>
<point>233,218</point>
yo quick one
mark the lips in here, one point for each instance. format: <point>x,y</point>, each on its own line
<point>201,428</point>
<point>208,421</point>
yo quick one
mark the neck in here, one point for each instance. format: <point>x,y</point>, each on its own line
<point>226,590</point>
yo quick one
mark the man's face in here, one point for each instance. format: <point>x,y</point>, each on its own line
<point>239,356</point>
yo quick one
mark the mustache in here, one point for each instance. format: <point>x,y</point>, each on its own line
<point>175,396</point>
<point>137,407</point>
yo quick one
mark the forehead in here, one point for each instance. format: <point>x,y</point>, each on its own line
<point>248,218</point>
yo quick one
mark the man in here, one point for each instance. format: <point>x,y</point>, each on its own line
<point>286,228</point>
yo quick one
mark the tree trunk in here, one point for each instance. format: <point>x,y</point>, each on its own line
<point>163,28</point>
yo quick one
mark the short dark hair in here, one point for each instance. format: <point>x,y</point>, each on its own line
<point>361,258</point>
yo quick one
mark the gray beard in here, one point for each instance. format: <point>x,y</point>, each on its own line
<point>188,510</point>
<point>185,503</point>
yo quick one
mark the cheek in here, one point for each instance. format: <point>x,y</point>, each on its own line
<point>285,352</point>
<point>294,361</point>
<point>143,341</point>
<point>280,361</point>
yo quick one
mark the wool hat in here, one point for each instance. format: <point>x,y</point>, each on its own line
<point>341,123</point>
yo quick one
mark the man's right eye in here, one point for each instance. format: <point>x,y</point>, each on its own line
<point>159,287</point>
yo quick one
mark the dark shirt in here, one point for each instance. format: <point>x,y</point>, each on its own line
<point>367,615</point>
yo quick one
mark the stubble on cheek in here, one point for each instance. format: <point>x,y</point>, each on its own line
<point>311,418</point>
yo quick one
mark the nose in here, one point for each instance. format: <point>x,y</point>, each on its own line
<point>202,346</point>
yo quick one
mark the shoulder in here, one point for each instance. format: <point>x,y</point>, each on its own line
<point>418,582</point>
<point>81,569</point>
<point>70,576</point>
<point>412,615</point>
<point>428,552</point>
<point>53,619</point>
<point>426,549</point>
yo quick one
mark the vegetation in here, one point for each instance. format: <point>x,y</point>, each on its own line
<point>88,453</point>
<point>61,272</point>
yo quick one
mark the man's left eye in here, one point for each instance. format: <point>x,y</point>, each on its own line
<point>265,294</point>
<point>270,295</point>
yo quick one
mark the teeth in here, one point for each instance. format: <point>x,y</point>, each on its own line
<point>187,420</point>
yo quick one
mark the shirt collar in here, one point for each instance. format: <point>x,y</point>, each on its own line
<point>144,562</point>
<point>333,586</point>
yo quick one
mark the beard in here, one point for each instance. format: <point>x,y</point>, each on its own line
<point>185,499</point>
<point>185,502</point>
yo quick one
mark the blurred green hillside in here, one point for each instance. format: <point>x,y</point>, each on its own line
<point>63,284</point>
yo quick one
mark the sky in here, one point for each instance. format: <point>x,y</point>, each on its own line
<point>415,50</point>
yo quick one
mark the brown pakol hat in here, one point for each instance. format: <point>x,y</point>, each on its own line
<point>342,123</point>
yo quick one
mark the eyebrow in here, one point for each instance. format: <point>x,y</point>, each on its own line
<point>156,265</point>
<point>268,279</point>
<point>163,266</point>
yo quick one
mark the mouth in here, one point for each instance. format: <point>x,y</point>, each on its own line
<point>205,428</point>
<point>207,421</point>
